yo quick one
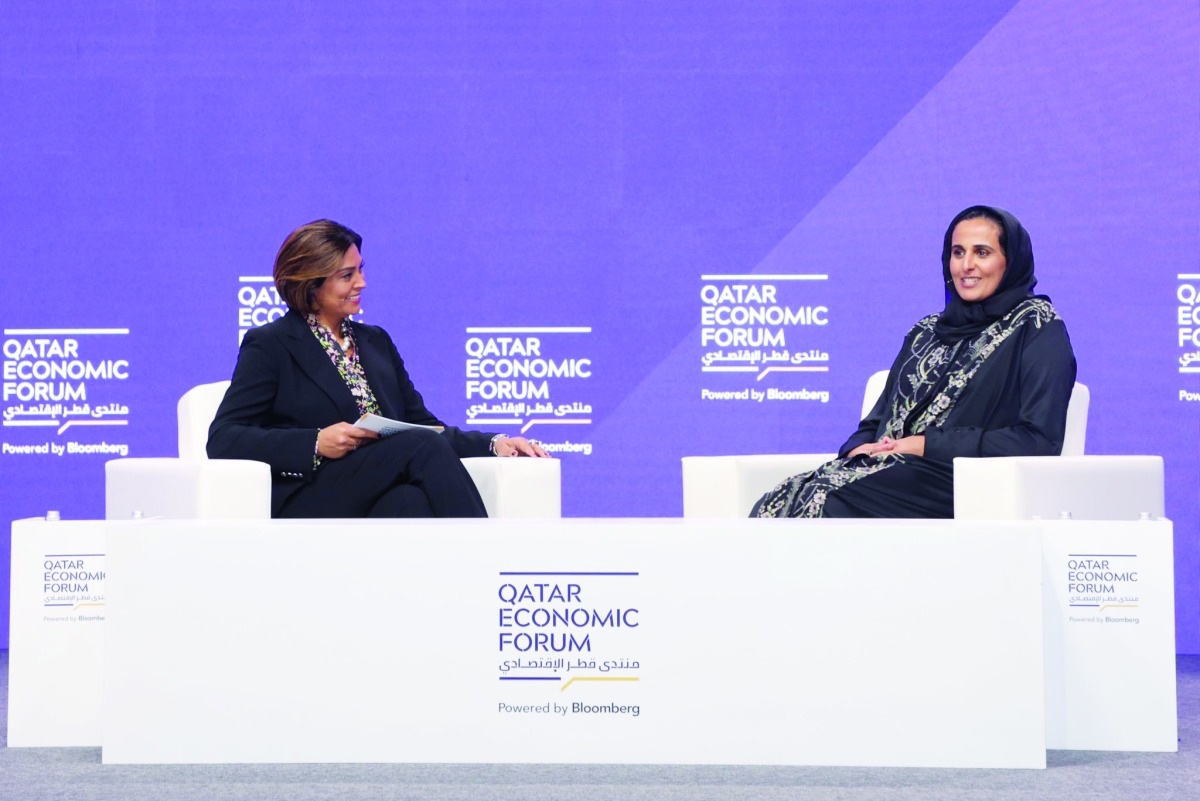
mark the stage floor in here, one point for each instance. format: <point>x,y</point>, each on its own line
<point>30,774</point>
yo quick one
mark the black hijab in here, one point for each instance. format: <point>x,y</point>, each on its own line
<point>962,319</point>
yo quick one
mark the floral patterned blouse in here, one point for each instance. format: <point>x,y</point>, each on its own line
<point>348,367</point>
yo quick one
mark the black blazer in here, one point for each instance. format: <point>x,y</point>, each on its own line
<point>285,387</point>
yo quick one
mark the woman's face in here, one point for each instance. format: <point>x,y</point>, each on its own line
<point>976,261</point>
<point>341,294</point>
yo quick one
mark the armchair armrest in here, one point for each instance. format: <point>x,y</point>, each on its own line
<point>728,486</point>
<point>1089,487</point>
<point>517,487</point>
<point>187,488</point>
<point>236,488</point>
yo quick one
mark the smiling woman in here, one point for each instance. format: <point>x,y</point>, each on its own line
<point>303,380</point>
<point>977,259</point>
<point>991,375</point>
<point>341,293</point>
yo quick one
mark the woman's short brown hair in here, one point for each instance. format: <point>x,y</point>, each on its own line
<point>308,256</point>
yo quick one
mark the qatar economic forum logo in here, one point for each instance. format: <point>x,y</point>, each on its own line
<point>1188,318</point>
<point>532,380</point>
<point>574,633</point>
<point>62,391</point>
<point>258,303</point>
<point>761,338</point>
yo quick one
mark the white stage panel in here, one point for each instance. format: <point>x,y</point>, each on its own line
<point>754,642</point>
<point>1110,635</point>
<point>56,642</point>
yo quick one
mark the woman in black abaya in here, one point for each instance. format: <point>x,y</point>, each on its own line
<point>990,375</point>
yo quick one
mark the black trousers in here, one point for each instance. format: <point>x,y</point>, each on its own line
<point>411,474</point>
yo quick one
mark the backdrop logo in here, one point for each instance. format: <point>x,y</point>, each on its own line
<point>532,380</point>
<point>754,327</point>
<point>1188,318</point>
<point>58,381</point>
<point>258,303</point>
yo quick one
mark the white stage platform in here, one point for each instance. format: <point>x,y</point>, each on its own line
<point>944,643</point>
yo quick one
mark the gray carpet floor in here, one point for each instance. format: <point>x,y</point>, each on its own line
<point>70,774</point>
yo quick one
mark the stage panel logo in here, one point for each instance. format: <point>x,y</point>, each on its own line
<point>72,587</point>
<point>1103,589</point>
<point>568,643</point>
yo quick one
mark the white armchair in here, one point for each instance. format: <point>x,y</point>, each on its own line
<point>1005,488</point>
<point>194,486</point>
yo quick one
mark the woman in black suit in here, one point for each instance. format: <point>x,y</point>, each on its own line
<point>301,382</point>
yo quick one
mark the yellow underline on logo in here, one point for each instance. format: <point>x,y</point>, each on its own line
<point>597,678</point>
<point>1118,606</point>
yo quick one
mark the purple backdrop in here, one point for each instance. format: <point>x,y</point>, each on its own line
<point>587,174</point>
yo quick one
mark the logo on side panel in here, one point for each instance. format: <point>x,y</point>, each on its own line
<point>1103,588</point>
<point>73,587</point>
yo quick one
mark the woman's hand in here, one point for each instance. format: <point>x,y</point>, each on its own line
<point>914,445</point>
<point>519,446</point>
<point>885,445</point>
<point>340,439</point>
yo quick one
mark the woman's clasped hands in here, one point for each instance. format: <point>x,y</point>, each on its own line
<point>914,445</point>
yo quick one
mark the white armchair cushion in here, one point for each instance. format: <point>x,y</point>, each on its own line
<point>241,489</point>
<point>195,412</point>
<point>187,488</point>
<point>519,486</point>
<point>1089,487</point>
<point>727,486</point>
<point>1003,488</point>
<point>193,486</point>
<point>1075,435</point>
